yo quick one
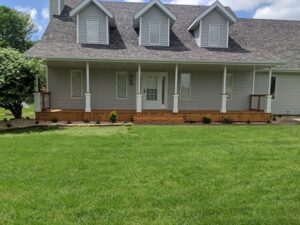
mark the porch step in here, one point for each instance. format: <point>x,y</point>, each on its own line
<point>157,118</point>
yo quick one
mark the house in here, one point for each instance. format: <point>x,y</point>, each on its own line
<point>160,62</point>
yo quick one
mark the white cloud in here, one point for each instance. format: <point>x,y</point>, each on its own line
<point>279,9</point>
<point>45,13</point>
<point>31,11</point>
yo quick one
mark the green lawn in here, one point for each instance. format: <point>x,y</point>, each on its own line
<point>26,113</point>
<point>151,175</point>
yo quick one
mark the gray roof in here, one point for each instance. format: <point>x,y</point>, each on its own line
<point>251,40</point>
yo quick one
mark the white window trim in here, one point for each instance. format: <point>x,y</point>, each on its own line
<point>71,77</point>
<point>190,95</point>
<point>276,84</point>
<point>156,44</point>
<point>117,98</point>
<point>209,44</point>
<point>232,84</point>
<point>87,41</point>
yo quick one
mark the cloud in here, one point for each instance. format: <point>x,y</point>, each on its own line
<point>45,13</point>
<point>278,9</point>
<point>31,11</point>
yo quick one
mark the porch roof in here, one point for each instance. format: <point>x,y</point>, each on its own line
<point>251,41</point>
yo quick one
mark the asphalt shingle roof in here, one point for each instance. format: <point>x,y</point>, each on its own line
<point>250,40</point>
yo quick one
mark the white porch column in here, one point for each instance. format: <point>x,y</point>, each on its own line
<point>88,93</point>
<point>268,106</point>
<point>139,94</point>
<point>224,95</point>
<point>37,95</point>
<point>253,81</point>
<point>176,96</point>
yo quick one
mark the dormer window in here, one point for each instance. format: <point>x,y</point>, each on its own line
<point>154,22</point>
<point>211,27</point>
<point>154,33</point>
<point>214,36</point>
<point>92,31</point>
<point>93,22</point>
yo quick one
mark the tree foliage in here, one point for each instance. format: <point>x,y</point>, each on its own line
<point>16,29</point>
<point>17,76</point>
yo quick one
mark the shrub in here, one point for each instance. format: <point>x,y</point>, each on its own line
<point>54,120</point>
<point>86,121</point>
<point>227,120</point>
<point>37,122</point>
<point>5,120</point>
<point>248,121</point>
<point>274,118</point>
<point>206,120</point>
<point>98,122</point>
<point>27,118</point>
<point>69,122</point>
<point>113,117</point>
<point>8,125</point>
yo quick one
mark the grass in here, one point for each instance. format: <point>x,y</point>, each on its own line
<point>26,113</point>
<point>151,175</point>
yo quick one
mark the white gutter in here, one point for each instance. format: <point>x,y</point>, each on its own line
<point>137,60</point>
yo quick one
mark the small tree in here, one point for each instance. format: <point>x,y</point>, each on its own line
<point>16,29</point>
<point>17,75</point>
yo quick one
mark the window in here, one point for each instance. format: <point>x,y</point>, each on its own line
<point>121,85</point>
<point>76,84</point>
<point>92,31</point>
<point>185,86</point>
<point>229,85</point>
<point>214,36</point>
<point>154,33</point>
<point>273,87</point>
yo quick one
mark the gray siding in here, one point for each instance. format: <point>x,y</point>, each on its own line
<point>214,18</point>
<point>62,5</point>
<point>54,7</point>
<point>92,12</point>
<point>59,84</point>
<point>205,90</point>
<point>155,15</point>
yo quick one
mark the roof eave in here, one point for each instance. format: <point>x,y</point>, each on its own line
<point>84,3</point>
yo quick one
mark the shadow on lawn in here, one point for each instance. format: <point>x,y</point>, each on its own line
<point>29,130</point>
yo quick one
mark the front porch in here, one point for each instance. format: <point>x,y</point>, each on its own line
<point>155,93</point>
<point>153,116</point>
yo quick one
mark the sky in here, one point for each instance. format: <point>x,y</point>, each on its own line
<point>262,9</point>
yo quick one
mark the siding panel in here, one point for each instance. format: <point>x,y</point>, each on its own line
<point>155,15</point>
<point>214,18</point>
<point>53,7</point>
<point>92,12</point>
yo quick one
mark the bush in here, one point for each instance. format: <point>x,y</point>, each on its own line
<point>98,122</point>
<point>37,122</point>
<point>86,121</point>
<point>206,120</point>
<point>248,121</point>
<point>54,120</point>
<point>27,118</point>
<point>227,120</point>
<point>113,117</point>
<point>4,120</point>
<point>8,125</point>
<point>69,122</point>
<point>274,118</point>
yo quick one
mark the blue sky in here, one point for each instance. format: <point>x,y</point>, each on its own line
<point>271,9</point>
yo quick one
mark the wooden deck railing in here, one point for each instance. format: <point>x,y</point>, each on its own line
<point>258,106</point>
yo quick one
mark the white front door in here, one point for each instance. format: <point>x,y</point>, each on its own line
<point>154,90</point>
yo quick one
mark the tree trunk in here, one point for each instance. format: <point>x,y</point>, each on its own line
<point>15,108</point>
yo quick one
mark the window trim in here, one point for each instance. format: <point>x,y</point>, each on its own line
<point>118,72</point>
<point>209,28</point>
<point>87,36</point>
<point>232,84</point>
<point>190,92</point>
<point>159,27</point>
<point>71,77</point>
<point>275,94</point>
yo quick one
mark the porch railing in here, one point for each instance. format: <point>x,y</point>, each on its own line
<point>256,102</point>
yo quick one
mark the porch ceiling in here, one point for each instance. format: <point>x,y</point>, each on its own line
<point>152,66</point>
